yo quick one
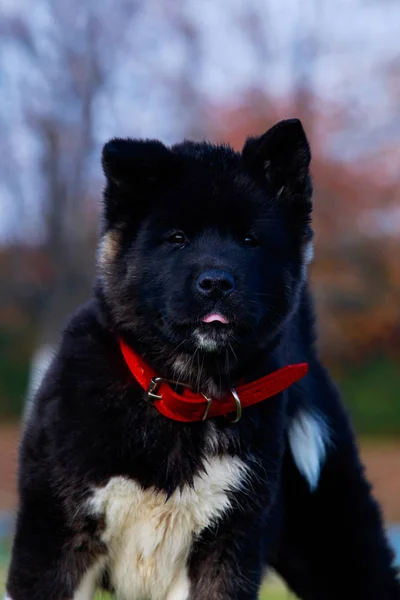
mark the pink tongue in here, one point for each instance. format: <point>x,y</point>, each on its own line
<point>215,317</point>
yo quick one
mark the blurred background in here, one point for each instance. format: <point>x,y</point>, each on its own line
<point>73,74</point>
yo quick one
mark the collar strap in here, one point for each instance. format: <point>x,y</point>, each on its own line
<point>189,407</point>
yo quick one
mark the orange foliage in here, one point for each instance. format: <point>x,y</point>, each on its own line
<point>356,277</point>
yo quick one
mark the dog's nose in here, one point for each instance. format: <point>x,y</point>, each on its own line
<point>215,284</point>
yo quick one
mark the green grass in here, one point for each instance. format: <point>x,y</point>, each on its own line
<point>371,393</point>
<point>14,365</point>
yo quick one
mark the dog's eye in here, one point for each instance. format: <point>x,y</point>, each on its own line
<point>177,237</point>
<point>250,241</point>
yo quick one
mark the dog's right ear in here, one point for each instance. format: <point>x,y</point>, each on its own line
<point>128,161</point>
<point>134,170</point>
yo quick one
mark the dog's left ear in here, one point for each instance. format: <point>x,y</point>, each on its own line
<point>281,158</point>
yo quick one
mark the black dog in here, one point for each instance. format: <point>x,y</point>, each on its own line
<point>165,493</point>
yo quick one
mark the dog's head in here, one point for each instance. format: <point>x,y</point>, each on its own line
<point>204,248</point>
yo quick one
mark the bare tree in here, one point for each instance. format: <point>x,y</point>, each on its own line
<point>67,53</point>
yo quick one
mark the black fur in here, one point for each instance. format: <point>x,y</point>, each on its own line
<point>169,215</point>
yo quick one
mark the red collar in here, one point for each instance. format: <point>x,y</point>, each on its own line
<point>198,407</point>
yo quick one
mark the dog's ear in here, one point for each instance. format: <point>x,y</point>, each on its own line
<point>134,170</point>
<point>281,158</point>
<point>126,161</point>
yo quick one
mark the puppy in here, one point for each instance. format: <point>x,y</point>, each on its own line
<point>186,435</point>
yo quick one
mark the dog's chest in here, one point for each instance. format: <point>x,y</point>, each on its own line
<point>149,536</point>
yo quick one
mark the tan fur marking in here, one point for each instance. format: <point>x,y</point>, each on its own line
<point>109,247</point>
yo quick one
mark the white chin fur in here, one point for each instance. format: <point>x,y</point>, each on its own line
<point>204,341</point>
<point>308,438</point>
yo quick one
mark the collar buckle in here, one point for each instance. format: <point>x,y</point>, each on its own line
<point>155,383</point>
<point>154,386</point>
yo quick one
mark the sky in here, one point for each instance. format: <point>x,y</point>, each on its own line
<point>353,38</point>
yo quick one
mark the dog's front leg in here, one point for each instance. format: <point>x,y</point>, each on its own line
<point>226,562</point>
<point>49,561</point>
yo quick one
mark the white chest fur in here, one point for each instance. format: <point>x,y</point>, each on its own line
<point>149,536</point>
